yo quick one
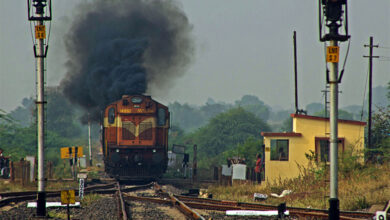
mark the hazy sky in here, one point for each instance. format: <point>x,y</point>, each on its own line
<point>242,47</point>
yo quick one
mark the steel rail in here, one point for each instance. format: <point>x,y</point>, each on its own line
<point>269,207</point>
<point>186,210</point>
<point>26,196</point>
<point>25,193</point>
<point>122,209</point>
<point>225,207</point>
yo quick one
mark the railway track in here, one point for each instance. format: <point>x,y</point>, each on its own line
<point>188,206</point>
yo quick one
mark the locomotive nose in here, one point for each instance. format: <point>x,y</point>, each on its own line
<point>137,158</point>
<point>157,158</point>
<point>115,157</point>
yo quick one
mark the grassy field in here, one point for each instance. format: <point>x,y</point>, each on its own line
<point>360,187</point>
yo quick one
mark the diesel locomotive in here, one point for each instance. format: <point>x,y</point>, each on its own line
<point>135,138</point>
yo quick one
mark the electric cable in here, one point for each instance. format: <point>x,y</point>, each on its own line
<point>346,54</point>
<point>364,95</point>
<point>48,35</point>
<point>32,35</point>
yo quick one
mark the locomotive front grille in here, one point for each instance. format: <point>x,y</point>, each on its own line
<point>128,131</point>
<point>145,130</point>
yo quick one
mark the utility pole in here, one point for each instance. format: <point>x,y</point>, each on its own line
<point>297,110</point>
<point>89,141</point>
<point>333,11</point>
<point>40,51</point>
<point>333,88</point>
<point>195,165</point>
<point>295,72</point>
<point>371,46</point>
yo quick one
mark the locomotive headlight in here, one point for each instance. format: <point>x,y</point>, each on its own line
<point>154,150</point>
<point>117,150</point>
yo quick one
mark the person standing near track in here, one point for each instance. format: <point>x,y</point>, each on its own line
<point>258,168</point>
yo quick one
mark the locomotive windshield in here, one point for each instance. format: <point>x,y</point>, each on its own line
<point>111,115</point>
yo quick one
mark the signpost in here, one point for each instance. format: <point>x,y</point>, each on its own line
<point>68,197</point>
<point>40,32</point>
<point>72,153</point>
<point>82,177</point>
<point>332,54</point>
<point>67,154</point>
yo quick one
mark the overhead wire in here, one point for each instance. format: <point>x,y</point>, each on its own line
<point>346,54</point>
<point>32,35</point>
<point>364,95</point>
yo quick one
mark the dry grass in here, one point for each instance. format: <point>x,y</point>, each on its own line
<point>8,186</point>
<point>360,187</point>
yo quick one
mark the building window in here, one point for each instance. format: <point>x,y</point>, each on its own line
<point>279,150</point>
<point>323,149</point>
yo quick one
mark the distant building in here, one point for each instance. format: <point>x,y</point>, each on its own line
<point>285,152</point>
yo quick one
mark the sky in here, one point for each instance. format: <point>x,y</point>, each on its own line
<point>242,47</point>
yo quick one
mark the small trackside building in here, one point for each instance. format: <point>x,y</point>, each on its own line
<point>285,152</point>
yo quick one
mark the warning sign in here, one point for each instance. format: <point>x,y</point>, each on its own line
<point>40,32</point>
<point>67,197</point>
<point>69,152</point>
<point>332,54</point>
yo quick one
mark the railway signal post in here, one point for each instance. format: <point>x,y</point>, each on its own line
<point>39,11</point>
<point>333,11</point>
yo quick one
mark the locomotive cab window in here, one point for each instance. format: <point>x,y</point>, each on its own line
<point>161,117</point>
<point>111,115</point>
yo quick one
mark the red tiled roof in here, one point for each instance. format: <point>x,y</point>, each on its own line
<point>327,119</point>
<point>281,134</point>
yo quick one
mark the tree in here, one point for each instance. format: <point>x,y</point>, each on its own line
<point>4,117</point>
<point>17,141</point>
<point>186,116</point>
<point>381,132</point>
<point>255,105</point>
<point>176,135</point>
<point>314,107</point>
<point>61,114</point>
<point>342,114</point>
<point>225,132</point>
<point>24,115</point>
<point>248,150</point>
<point>211,110</point>
<point>287,125</point>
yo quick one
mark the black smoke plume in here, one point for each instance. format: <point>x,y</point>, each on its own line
<point>122,47</point>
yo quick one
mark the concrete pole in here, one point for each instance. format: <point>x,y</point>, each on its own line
<point>41,203</point>
<point>369,142</point>
<point>333,81</point>
<point>295,72</point>
<point>89,141</point>
<point>370,99</point>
